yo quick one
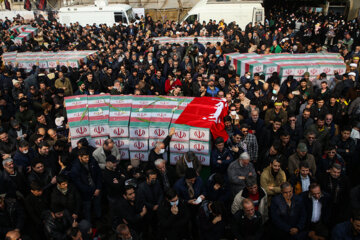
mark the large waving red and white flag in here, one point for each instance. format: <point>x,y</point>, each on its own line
<point>206,112</point>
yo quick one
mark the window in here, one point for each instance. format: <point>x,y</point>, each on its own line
<point>130,15</point>
<point>120,16</point>
<point>191,19</point>
<point>258,16</point>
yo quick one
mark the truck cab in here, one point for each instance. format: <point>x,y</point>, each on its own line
<point>240,11</point>
<point>108,14</point>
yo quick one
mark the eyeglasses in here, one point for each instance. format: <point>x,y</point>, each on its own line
<point>292,120</point>
<point>311,137</point>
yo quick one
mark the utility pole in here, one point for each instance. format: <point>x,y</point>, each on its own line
<point>180,11</point>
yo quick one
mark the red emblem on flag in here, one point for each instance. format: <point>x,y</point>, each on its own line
<point>180,134</point>
<point>199,147</point>
<point>301,71</point>
<point>119,143</point>
<point>81,130</point>
<point>118,131</point>
<point>199,134</point>
<point>139,132</point>
<point>288,71</point>
<point>159,132</point>
<point>99,129</point>
<point>327,70</point>
<point>179,146</point>
<point>313,71</point>
<point>140,156</point>
<point>139,145</point>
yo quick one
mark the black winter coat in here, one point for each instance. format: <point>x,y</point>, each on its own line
<point>56,229</point>
<point>80,177</point>
<point>173,227</point>
<point>71,200</point>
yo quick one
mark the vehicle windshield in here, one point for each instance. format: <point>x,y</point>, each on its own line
<point>130,15</point>
<point>190,19</point>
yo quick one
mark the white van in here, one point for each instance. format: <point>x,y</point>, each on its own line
<point>107,14</point>
<point>242,12</point>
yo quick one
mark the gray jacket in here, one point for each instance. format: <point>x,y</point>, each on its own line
<point>235,170</point>
<point>100,156</point>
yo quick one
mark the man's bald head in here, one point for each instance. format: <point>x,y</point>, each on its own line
<point>12,235</point>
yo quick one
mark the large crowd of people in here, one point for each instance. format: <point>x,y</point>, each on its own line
<point>289,169</point>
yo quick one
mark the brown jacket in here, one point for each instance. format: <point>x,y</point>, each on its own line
<point>294,162</point>
<point>267,180</point>
<point>270,115</point>
<point>60,84</point>
<point>181,166</point>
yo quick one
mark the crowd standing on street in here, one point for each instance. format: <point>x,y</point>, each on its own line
<point>289,169</point>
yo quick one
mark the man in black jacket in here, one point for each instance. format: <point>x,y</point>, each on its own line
<point>48,157</point>
<point>338,186</point>
<point>114,180</point>
<point>11,214</point>
<point>42,175</point>
<point>67,195</point>
<point>355,198</point>
<point>15,177</point>
<point>124,232</point>
<point>151,194</point>
<point>318,207</point>
<point>58,222</point>
<point>247,222</point>
<point>173,217</point>
<point>130,210</point>
<point>35,205</point>
<point>7,145</point>
<point>346,146</point>
<point>211,220</point>
<point>166,174</point>
<point>86,175</point>
<point>23,155</point>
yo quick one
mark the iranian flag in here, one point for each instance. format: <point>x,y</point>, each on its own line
<point>206,112</point>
